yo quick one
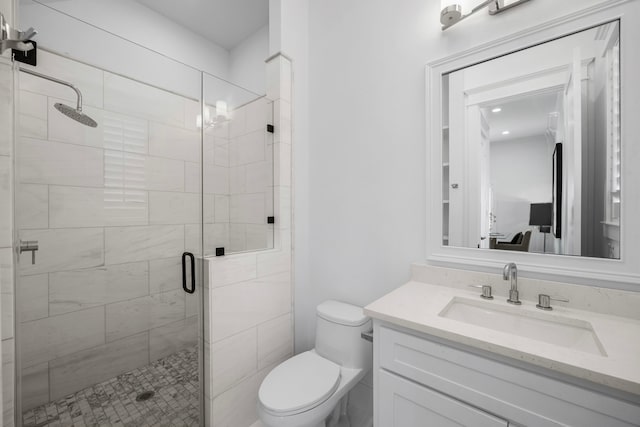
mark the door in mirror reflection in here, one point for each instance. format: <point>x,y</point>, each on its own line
<point>531,149</point>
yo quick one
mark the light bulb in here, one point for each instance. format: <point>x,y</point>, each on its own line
<point>221,110</point>
<point>450,11</point>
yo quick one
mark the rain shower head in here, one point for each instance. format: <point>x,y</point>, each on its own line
<point>73,113</point>
<point>76,115</point>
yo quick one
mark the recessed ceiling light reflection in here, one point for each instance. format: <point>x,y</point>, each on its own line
<point>496,110</point>
<point>505,132</point>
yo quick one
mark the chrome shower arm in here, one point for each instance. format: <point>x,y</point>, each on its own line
<point>53,79</point>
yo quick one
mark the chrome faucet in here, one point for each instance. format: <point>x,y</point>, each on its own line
<point>510,272</point>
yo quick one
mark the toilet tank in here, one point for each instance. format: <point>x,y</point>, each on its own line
<point>338,328</point>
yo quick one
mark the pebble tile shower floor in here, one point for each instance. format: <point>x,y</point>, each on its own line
<point>174,381</point>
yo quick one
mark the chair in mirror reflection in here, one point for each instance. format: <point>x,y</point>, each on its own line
<point>520,242</point>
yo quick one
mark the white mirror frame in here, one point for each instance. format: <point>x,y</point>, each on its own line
<point>623,273</point>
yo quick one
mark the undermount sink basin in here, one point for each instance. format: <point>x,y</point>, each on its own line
<point>563,331</point>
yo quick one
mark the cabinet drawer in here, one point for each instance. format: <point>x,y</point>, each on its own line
<point>519,395</point>
<point>406,404</point>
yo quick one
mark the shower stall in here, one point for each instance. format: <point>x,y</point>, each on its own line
<point>145,230</point>
<point>111,219</point>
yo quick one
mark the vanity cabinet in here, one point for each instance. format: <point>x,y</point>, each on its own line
<point>421,380</point>
<point>407,404</point>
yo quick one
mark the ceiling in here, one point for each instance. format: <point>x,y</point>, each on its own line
<point>224,22</point>
<point>522,117</point>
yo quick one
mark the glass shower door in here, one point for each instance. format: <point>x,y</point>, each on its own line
<point>237,169</point>
<point>107,327</point>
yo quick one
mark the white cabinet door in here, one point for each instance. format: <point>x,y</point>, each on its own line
<point>407,404</point>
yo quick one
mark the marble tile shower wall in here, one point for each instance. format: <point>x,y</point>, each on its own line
<point>113,208</point>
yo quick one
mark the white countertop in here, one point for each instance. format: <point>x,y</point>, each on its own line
<point>416,305</point>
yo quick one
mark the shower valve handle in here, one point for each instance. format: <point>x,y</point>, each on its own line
<point>29,246</point>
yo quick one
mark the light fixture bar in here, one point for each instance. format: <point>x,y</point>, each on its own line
<point>452,14</point>
<point>499,7</point>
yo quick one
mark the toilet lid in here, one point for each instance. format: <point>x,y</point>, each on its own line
<point>300,383</point>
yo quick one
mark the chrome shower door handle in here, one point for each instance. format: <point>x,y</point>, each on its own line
<point>29,246</point>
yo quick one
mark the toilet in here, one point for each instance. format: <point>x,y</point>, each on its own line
<point>311,388</point>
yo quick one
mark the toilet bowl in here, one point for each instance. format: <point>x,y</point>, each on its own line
<point>311,388</point>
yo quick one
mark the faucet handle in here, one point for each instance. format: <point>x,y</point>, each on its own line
<point>486,291</point>
<point>544,301</point>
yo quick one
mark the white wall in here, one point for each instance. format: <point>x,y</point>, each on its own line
<point>128,38</point>
<point>246,61</point>
<point>522,169</point>
<point>366,151</point>
<point>127,19</point>
<point>60,33</point>
<point>289,33</point>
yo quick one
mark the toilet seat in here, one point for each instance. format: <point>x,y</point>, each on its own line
<point>299,384</point>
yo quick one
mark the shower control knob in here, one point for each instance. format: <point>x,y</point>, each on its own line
<point>29,246</point>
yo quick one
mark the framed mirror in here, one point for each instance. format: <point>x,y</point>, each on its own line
<point>531,146</point>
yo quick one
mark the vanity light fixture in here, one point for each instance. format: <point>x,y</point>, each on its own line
<point>496,110</point>
<point>454,11</point>
<point>505,132</point>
